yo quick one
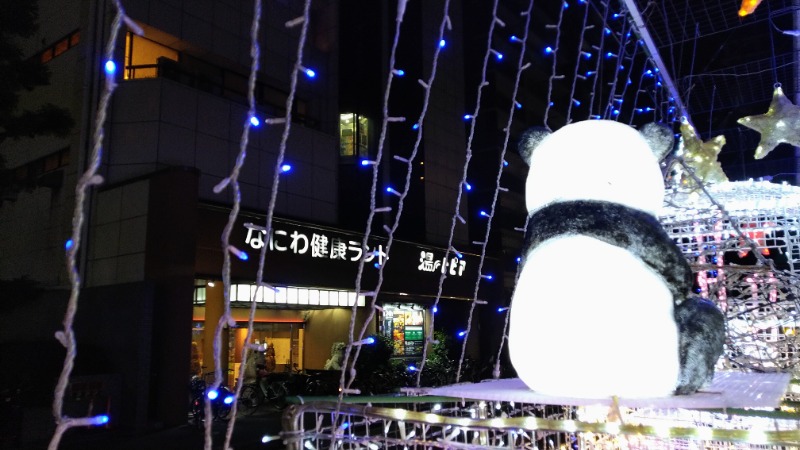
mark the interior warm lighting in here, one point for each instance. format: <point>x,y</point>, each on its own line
<point>142,55</point>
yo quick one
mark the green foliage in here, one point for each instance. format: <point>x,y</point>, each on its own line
<point>18,20</point>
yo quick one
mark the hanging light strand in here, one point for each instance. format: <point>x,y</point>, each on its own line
<point>521,66</point>
<point>401,9</point>
<point>87,180</point>
<point>457,207</point>
<point>427,86</point>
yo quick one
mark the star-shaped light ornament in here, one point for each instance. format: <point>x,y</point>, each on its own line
<point>700,156</point>
<point>780,124</point>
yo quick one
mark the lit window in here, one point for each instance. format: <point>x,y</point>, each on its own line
<point>142,55</point>
<point>61,46</point>
<point>405,324</point>
<point>354,135</point>
<point>74,38</point>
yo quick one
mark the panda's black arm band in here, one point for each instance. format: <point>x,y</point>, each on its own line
<point>628,228</point>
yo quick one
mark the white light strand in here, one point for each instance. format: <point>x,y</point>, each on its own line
<point>468,157</point>
<point>597,72</point>
<point>255,52</point>
<point>401,9</point>
<point>639,87</point>
<point>575,75</point>
<point>619,59</point>
<point>512,108</point>
<point>85,182</point>
<point>549,101</point>
<point>504,336</point>
<point>406,188</point>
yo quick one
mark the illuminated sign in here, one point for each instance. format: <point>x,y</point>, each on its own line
<point>318,244</point>
<point>313,256</point>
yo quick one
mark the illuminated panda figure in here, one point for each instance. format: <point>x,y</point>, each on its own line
<point>603,303</point>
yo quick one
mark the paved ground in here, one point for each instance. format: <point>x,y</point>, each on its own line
<point>246,435</point>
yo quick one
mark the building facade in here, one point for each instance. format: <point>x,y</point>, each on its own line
<point>151,254</point>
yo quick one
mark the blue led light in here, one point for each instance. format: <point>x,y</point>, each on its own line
<point>364,162</point>
<point>615,112</point>
<point>576,102</point>
<point>435,309</point>
<point>518,105</point>
<point>400,72</point>
<point>519,258</point>
<point>607,30</point>
<point>609,55</point>
<point>566,5</point>
<point>513,39</point>
<point>68,245</point>
<point>548,50</point>
<point>286,167</point>
<point>442,43</point>
<point>102,419</point>
<point>110,67</point>
<point>212,394</point>
<point>344,426</point>
<point>590,73</point>
<point>505,163</point>
<point>310,73</point>
<point>412,368</point>
<point>376,265</point>
<point>228,400</point>
<point>370,340</point>
<point>415,126</point>
<point>586,55</point>
<point>489,277</point>
<point>468,186</point>
<point>484,213</point>
<point>500,309</point>
<point>462,333</point>
<point>254,121</point>
<point>499,56</point>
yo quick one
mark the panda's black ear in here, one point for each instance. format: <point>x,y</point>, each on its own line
<point>660,138</point>
<point>528,142</point>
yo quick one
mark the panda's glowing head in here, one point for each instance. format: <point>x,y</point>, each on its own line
<point>596,160</point>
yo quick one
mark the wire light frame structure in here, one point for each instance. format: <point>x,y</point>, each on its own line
<point>729,247</point>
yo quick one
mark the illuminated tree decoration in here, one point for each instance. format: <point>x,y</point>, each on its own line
<point>701,156</point>
<point>777,126</point>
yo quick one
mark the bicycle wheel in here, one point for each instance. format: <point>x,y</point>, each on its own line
<point>249,400</point>
<point>222,411</point>
<point>276,394</point>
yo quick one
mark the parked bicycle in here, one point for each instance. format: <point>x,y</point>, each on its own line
<point>221,399</point>
<point>270,389</point>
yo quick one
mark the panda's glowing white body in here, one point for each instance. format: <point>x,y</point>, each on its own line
<point>589,319</point>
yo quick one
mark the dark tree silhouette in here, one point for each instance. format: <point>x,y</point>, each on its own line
<point>18,20</point>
